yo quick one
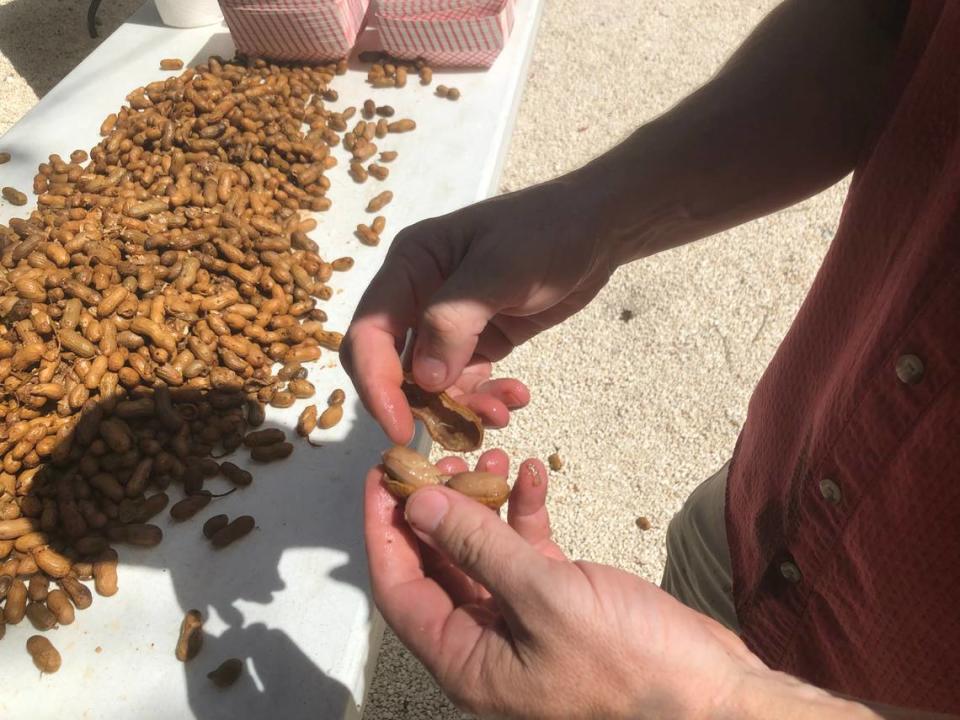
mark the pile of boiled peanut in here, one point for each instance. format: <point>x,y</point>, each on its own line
<point>146,303</point>
<point>161,292</point>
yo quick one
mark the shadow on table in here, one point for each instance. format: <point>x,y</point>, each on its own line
<point>292,503</point>
<point>313,499</point>
<point>46,39</point>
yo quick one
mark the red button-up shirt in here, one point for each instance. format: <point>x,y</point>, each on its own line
<point>843,499</point>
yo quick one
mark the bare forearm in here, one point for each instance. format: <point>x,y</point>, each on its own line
<point>783,119</point>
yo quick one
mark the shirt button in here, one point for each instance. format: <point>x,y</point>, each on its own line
<point>909,369</point>
<point>830,491</point>
<point>790,572</point>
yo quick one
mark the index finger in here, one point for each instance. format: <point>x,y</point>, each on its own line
<point>388,308</point>
<point>369,355</point>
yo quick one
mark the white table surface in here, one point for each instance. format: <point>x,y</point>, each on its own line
<point>292,598</point>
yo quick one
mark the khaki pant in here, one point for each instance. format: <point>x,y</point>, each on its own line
<point>698,558</point>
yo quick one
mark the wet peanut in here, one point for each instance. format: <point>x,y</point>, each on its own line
<point>380,201</point>
<point>330,417</point>
<point>171,64</point>
<point>190,506</point>
<point>402,126</point>
<point>51,562</point>
<point>14,196</point>
<point>408,470</point>
<point>15,606</point>
<point>214,524</point>
<point>257,438</point>
<point>307,421</point>
<point>59,604</point>
<point>233,531</point>
<point>486,488</point>
<point>140,534</point>
<point>45,655</point>
<point>367,236</point>
<point>226,673</point>
<point>269,453</point>
<point>38,588</point>
<point>235,474</point>
<point>40,616</point>
<point>105,573</point>
<point>301,388</point>
<point>77,592</point>
<point>190,639</point>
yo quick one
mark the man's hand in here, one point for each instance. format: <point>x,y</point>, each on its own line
<point>473,285</point>
<point>510,627</point>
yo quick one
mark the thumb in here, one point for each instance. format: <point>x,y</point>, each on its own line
<point>447,334</point>
<point>477,541</point>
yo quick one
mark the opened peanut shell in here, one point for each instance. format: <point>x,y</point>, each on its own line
<point>455,426</point>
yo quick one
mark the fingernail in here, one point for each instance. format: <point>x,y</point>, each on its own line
<point>426,509</point>
<point>431,371</point>
<point>535,471</point>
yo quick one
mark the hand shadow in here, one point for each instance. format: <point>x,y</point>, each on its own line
<point>274,668</point>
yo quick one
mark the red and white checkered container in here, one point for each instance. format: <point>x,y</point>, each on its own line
<point>295,30</point>
<point>445,33</point>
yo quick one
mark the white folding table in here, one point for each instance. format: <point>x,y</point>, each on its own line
<point>293,598</point>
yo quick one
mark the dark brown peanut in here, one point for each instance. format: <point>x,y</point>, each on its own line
<point>235,474</point>
<point>233,531</point>
<point>269,453</point>
<point>226,673</point>
<point>270,436</point>
<point>190,506</point>
<point>214,524</point>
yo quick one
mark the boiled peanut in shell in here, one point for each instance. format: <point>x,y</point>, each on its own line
<point>407,471</point>
<point>190,639</point>
<point>227,673</point>
<point>45,655</point>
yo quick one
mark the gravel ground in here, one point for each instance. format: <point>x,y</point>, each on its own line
<point>644,392</point>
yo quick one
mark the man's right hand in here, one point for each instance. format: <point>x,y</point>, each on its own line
<point>473,285</point>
